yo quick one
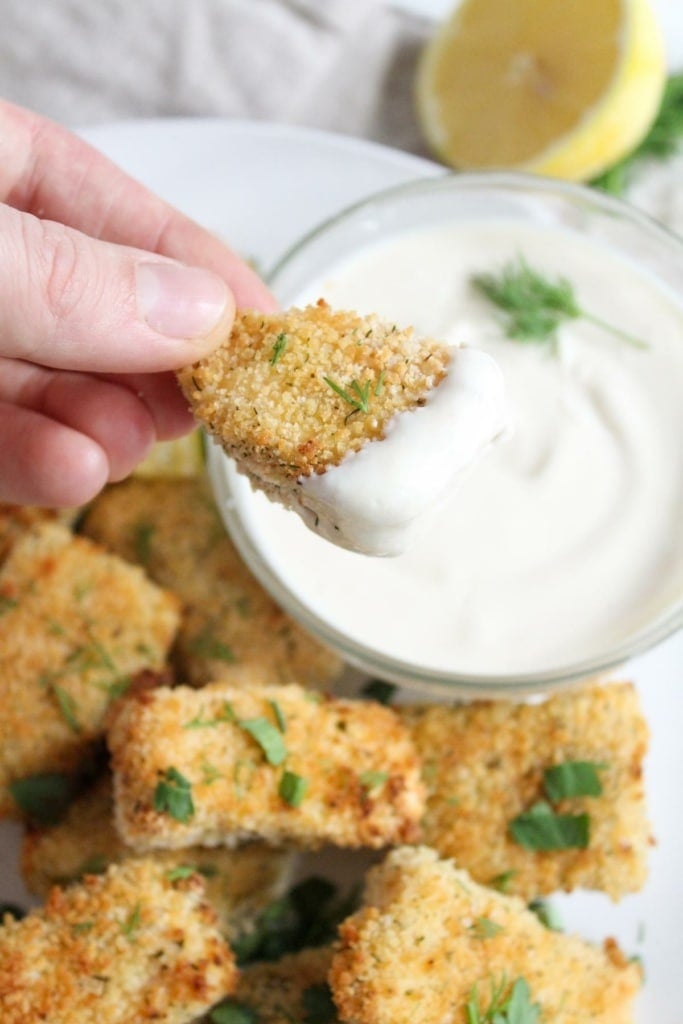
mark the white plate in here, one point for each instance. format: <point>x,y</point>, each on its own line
<point>261,187</point>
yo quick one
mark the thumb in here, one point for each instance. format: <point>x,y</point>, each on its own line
<point>71,302</point>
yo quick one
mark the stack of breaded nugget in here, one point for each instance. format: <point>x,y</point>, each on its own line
<point>172,740</point>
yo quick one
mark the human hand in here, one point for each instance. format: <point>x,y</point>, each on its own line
<point>95,313</point>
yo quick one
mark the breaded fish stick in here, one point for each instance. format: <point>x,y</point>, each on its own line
<point>432,945</point>
<point>239,883</point>
<point>130,946</point>
<point>172,528</point>
<point>225,764</point>
<point>488,764</point>
<point>76,624</point>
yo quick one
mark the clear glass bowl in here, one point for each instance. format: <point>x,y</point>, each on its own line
<point>529,200</point>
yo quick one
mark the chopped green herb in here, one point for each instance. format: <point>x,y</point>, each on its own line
<point>67,706</point>
<point>142,541</point>
<point>513,1007</point>
<point>43,798</point>
<point>379,386</point>
<point>268,738</point>
<point>232,1012</point>
<point>546,914</point>
<point>534,307</point>
<point>502,881</point>
<point>226,714</point>
<point>132,922</point>
<point>380,691</point>
<point>308,915</point>
<point>12,910</point>
<point>317,1004</point>
<point>278,348</point>
<point>173,796</point>
<point>279,716</point>
<point>372,780</point>
<point>209,773</point>
<point>484,928</point>
<point>540,828</point>
<point>573,778</point>
<point>82,927</point>
<point>359,398</point>
<point>182,872</point>
<point>293,788</point>
<point>7,604</point>
<point>663,140</point>
<point>206,645</point>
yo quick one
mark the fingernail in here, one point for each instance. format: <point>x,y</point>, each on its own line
<point>180,301</point>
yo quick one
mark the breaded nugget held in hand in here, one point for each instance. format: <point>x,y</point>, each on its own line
<point>225,764</point>
<point>133,945</point>
<point>355,423</point>
<point>431,945</point>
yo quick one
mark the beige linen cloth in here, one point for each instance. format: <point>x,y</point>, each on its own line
<point>342,65</point>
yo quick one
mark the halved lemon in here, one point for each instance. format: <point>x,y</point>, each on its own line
<point>557,87</point>
<point>182,457</point>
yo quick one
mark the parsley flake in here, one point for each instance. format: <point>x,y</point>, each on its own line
<point>173,796</point>
<point>43,798</point>
<point>534,307</point>
<point>279,716</point>
<point>182,872</point>
<point>540,828</point>
<point>268,738</point>
<point>572,778</point>
<point>132,922</point>
<point>484,928</point>
<point>372,780</point>
<point>546,914</point>
<point>380,691</point>
<point>67,706</point>
<point>278,348</point>
<point>206,645</point>
<point>513,1007</point>
<point>293,788</point>
<point>232,1012</point>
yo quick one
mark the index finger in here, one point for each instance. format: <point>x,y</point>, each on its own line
<point>48,171</point>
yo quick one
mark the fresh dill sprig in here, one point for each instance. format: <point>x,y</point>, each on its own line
<point>663,140</point>
<point>278,348</point>
<point>358,395</point>
<point>534,306</point>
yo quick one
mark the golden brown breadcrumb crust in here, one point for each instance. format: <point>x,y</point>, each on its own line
<point>483,764</point>
<point>275,992</point>
<point>173,529</point>
<point>265,393</point>
<point>359,765</point>
<point>127,947</point>
<point>76,625</point>
<point>430,939</point>
<point>239,883</point>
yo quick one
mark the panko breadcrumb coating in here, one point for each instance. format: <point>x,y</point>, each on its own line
<point>430,939</point>
<point>192,767</point>
<point>172,528</point>
<point>286,990</point>
<point>271,393</point>
<point>15,520</point>
<point>127,947</point>
<point>76,625</point>
<point>484,764</point>
<point>239,883</point>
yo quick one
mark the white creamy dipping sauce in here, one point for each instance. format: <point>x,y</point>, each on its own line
<point>564,540</point>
